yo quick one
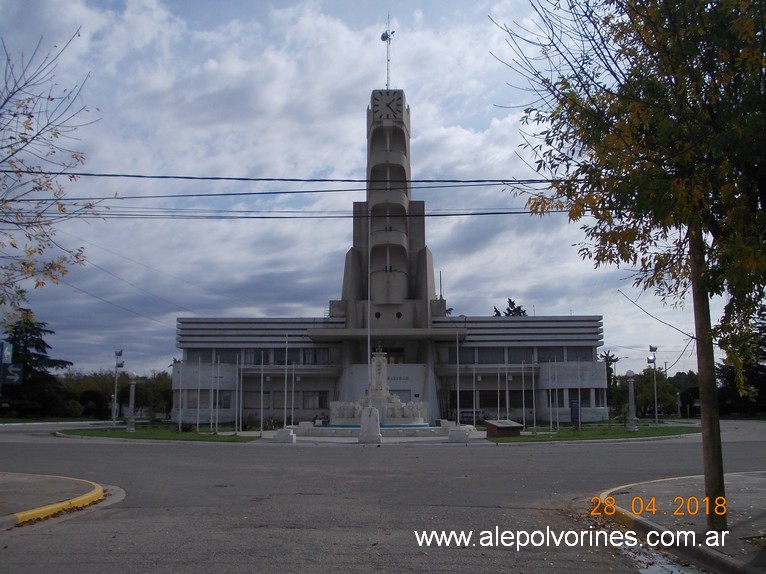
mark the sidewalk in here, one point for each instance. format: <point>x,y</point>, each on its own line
<point>677,504</point>
<point>27,497</point>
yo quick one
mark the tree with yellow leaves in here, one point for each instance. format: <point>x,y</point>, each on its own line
<point>648,118</point>
<point>37,121</point>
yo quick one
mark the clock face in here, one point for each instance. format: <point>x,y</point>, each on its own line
<point>387,104</point>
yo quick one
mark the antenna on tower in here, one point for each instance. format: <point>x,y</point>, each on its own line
<point>386,37</point>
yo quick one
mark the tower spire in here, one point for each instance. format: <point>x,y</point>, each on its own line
<point>386,37</point>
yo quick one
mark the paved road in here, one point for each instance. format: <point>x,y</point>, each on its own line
<point>263,507</point>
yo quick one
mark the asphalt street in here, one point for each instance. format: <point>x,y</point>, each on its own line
<point>262,507</point>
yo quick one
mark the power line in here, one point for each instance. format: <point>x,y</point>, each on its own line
<point>155,270</point>
<point>115,304</point>
<point>272,179</point>
<point>415,184</point>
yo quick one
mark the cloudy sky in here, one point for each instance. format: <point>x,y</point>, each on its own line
<point>279,89</point>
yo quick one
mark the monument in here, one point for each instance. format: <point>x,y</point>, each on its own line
<point>391,410</point>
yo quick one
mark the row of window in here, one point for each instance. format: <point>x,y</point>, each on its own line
<point>446,354</point>
<point>556,398</point>
<point>517,355</point>
<point>207,399</point>
<point>265,356</point>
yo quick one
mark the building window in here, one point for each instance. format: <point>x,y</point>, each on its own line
<point>293,356</point>
<point>466,400</point>
<point>489,399</point>
<point>552,354</point>
<point>195,356</point>
<point>467,355</point>
<point>584,395</point>
<point>491,355</point>
<point>252,400</point>
<point>521,355</point>
<point>315,399</point>
<point>253,356</point>
<point>224,399</point>
<point>556,399</point>
<point>318,356</point>
<point>279,399</point>
<point>575,354</point>
<point>227,356</point>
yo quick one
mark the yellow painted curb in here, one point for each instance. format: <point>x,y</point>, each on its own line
<point>96,494</point>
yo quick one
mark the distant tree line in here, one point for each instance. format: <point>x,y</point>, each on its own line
<point>72,394</point>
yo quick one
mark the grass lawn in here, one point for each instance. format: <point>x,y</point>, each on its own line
<point>599,432</point>
<point>158,432</point>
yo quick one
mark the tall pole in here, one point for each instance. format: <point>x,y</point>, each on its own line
<point>386,37</point>
<point>261,414</point>
<point>653,361</point>
<point>507,397</point>
<point>218,394</point>
<point>117,365</point>
<point>523,399</point>
<point>180,395</point>
<point>534,410</point>
<point>292,399</point>
<point>558,409</point>
<point>632,422</point>
<point>579,398</point>
<point>241,394</point>
<point>131,422</point>
<point>236,392</point>
<point>211,395</point>
<point>199,387</point>
<point>550,398</point>
<point>457,363</point>
<point>473,396</point>
<point>498,391</point>
<point>284,403</point>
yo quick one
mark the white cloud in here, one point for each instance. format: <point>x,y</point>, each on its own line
<point>280,90</point>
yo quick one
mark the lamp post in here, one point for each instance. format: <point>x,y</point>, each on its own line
<point>653,361</point>
<point>632,421</point>
<point>117,365</point>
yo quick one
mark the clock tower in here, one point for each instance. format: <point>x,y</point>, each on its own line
<point>388,282</point>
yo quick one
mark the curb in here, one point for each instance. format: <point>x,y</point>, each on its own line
<point>96,494</point>
<point>700,556</point>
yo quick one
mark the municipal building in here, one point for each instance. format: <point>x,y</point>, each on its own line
<point>525,368</point>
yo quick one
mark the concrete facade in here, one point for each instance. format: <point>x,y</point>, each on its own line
<point>524,367</point>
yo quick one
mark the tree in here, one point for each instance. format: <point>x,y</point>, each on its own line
<point>614,394</point>
<point>154,394</point>
<point>37,117</point>
<point>666,393</point>
<point>512,310</point>
<point>754,372</point>
<point>40,392</point>
<point>649,117</point>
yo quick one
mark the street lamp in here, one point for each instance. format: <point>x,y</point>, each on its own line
<point>117,365</point>
<point>653,361</point>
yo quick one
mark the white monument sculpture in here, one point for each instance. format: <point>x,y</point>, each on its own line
<point>392,411</point>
